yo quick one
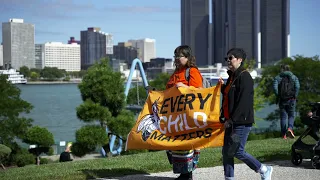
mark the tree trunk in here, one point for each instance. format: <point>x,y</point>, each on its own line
<point>2,166</point>
<point>38,160</point>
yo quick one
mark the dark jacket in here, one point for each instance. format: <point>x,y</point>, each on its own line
<point>65,156</point>
<point>278,79</point>
<point>240,98</point>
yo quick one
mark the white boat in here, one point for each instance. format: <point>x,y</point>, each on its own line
<point>14,76</point>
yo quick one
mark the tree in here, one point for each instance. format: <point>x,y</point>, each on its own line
<point>87,138</point>
<point>138,92</point>
<point>42,138</point>
<point>258,100</point>
<point>12,125</point>
<point>159,83</point>
<point>67,78</point>
<point>126,121</point>
<point>34,76</point>
<point>249,64</point>
<point>25,71</point>
<point>78,74</point>
<point>4,153</point>
<point>82,73</point>
<point>35,70</point>
<point>304,69</point>
<point>52,73</point>
<point>102,91</point>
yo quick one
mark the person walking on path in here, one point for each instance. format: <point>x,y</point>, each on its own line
<point>184,162</point>
<point>286,87</point>
<point>238,116</point>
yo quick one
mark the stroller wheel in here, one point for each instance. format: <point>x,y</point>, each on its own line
<point>296,159</point>
<point>315,162</point>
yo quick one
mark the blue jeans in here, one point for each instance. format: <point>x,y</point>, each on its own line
<point>228,163</point>
<point>287,110</point>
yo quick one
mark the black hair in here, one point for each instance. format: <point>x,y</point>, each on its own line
<point>285,67</point>
<point>238,53</point>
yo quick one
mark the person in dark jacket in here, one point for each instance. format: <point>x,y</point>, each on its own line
<point>287,106</point>
<point>66,156</point>
<point>238,116</point>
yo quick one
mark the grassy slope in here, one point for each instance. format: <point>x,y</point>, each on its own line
<point>264,150</point>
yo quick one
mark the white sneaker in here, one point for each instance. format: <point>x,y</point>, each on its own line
<point>267,175</point>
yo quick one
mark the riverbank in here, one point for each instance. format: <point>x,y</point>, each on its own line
<point>54,82</point>
<point>76,81</point>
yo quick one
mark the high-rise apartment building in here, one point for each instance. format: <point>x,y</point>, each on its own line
<point>146,48</point>
<point>39,56</point>
<point>124,51</point>
<point>234,26</point>
<point>260,27</point>
<point>1,55</point>
<point>109,44</point>
<point>195,28</point>
<point>93,46</point>
<point>18,44</point>
<point>275,30</point>
<point>62,56</point>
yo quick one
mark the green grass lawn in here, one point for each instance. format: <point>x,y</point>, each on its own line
<point>263,150</point>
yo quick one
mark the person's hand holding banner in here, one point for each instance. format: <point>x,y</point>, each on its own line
<point>179,119</point>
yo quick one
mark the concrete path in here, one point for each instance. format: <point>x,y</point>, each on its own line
<point>282,170</point>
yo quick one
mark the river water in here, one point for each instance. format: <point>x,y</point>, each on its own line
<point>55,108</point>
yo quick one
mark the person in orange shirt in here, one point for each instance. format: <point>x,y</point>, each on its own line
<point>237,114</point>
<point>184,162</point>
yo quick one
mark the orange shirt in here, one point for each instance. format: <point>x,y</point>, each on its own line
<point>195,78</point>
<point>225,102</point>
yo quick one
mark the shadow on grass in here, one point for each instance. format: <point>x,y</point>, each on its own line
<point>120,173</point>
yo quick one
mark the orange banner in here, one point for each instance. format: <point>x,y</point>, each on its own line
<point>178,119</point>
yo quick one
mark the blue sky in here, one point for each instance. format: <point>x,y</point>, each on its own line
<point>57,20</point>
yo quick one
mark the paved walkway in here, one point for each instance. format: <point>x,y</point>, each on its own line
<point>282,170</point>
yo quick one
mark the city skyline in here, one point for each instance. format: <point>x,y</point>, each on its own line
<point>156,20</point>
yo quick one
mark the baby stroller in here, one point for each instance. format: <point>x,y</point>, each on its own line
<point>310,151</point>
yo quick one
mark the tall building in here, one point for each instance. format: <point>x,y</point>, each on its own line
<point>39,56</point>
<point>62,56</point>
<point>146,48</point>
<point>195,28</point>
<point>93,46</point>
<point>1,55</point>
<point>109,44</point>
<point>18,44</point>
<point>260,27</point>
<point>234,26</point>
<point>72,40</point>
<point>124,51</point>
<point>275,30</point>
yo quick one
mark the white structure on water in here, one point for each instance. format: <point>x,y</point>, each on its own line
<point>14,76</point>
